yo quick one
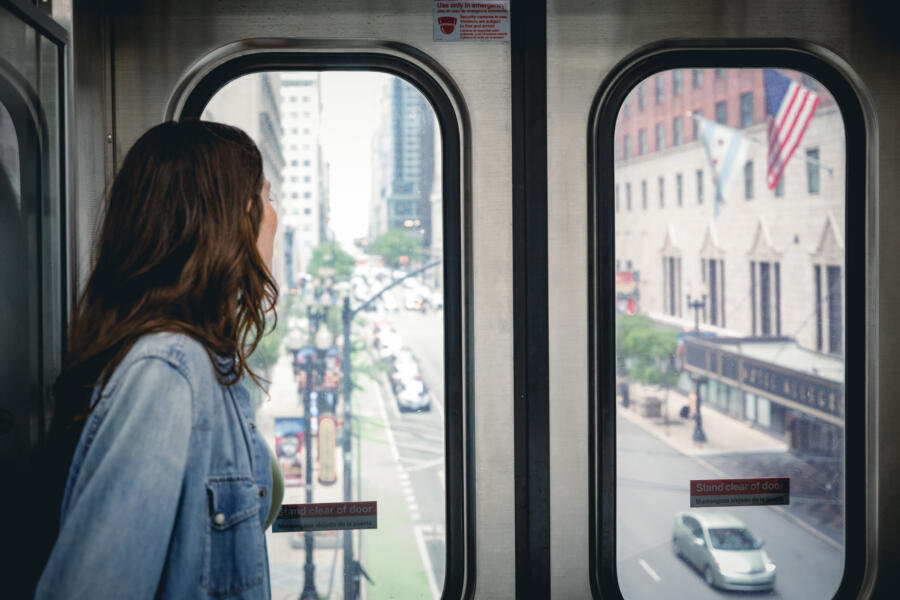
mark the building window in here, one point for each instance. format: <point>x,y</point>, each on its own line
<point>713,291</point>
<point>779,187</point>
<point>812,170</point>
<point>722,112</point>
<point>748,180</point>
<point>307,211</point>
<point>660,91</point>
<point>677,131</point>
<point>698,112</point>
<point>644,194</point>
<point>626,147</point>
<point>626,107</point>
<point>699,186</point>
<point>628,196</point>
<point>753,296</point>
<point>660,137</point>
<point>662,192</point>
<point>676,82</point>
<point>697,77</point>
<point>294,163</point>
<point>769,298</point>
<point>720,73</point>
<point>679,189</point>
<point>747,109</point>
<point>617,198</point>
<point>307,179</point>
<point>672,285</point>
<point>642,142</point>
<point>641,96</point>
<point>817,276</point>
<point>835,333</point>
<point>307,195</point>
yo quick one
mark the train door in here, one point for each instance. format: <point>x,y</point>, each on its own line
<point>723,333</point>
<point>33,270</point>
<point>412,292</point>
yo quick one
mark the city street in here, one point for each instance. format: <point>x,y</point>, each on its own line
<point>402,468</point>
<point>652,481</point>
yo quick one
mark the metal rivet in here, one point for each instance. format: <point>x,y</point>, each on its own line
<point>109,138</point>
<point>219,518</point>
<point>262,492</point>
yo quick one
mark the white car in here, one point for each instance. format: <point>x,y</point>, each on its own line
<point>413,395</point>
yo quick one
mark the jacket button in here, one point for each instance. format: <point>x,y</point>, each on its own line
<point>219,518</point>
<point>262,492</point>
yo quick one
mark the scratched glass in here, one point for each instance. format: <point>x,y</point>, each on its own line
<point>357,188</point>
<point>730,337</point>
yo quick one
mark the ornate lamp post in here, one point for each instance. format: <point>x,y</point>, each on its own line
<point>697,306</point>
<point>324,339</point>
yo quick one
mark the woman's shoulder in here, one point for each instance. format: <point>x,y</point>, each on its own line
<point>183,353</point>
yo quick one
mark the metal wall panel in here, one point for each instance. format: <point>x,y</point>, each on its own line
<point>154,44</point>
<point>585,41</point>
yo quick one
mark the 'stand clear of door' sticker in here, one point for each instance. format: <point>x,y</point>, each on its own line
<point>484,20</point>
<point>326,516</point>
<point>740,492</point>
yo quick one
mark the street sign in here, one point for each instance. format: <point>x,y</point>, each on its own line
<point>326,516</point>
<point>740,492</point>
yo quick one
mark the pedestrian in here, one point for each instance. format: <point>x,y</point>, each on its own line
<point>168,485</point>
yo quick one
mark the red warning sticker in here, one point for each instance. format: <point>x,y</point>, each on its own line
<point>484,20</point>
<point>740,492</point>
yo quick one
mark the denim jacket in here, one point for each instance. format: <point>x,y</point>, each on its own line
<point>169,486</point>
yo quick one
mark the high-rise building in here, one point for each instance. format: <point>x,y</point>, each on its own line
<point>252,103</point>
<point>305,172</point>
<point>403,163</point>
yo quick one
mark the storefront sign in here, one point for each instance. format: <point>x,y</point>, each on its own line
<point>326,516</point>
<point>771,380</point>
<point>740,492</point>
<point>484,20</point>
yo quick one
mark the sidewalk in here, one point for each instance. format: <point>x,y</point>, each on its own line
<point>735,449</point>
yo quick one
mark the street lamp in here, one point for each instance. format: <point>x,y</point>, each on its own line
<point>323,341</point>
<point>697,306</point>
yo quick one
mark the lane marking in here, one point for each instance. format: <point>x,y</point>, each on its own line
<point>437,462</point>
<point>650,571</point>
<point>388,432</point>
<point>426,562</point>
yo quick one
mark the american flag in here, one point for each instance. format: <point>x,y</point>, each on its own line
<point>789,107</point>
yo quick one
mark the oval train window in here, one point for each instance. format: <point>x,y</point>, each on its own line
<point>729,209</point>
<point>358,259</point>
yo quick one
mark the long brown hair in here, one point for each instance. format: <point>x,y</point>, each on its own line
<point>176,252</point>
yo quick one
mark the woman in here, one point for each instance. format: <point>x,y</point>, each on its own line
<point>169,486</point>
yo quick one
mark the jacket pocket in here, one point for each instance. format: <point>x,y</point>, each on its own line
<point>234,552</point>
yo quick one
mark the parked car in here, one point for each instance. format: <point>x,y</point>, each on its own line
<point>412,395</point>
<point>723,549</point>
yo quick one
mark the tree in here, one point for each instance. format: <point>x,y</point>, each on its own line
<point>394,244</point>
<point>331,255</point>
<point>646,352</point>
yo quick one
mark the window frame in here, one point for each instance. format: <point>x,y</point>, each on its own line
<point>839,79</point>
<point>209,75</point>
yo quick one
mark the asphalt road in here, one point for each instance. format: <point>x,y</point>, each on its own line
<point>652,482</point>
<point>420,436</point>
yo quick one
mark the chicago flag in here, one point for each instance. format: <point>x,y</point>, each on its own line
<point>726,149</point>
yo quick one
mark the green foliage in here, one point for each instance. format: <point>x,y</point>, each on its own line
<point>331,255</point>
<point>394,244</point>
<point>646,351</point>
<point>266,354</point>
